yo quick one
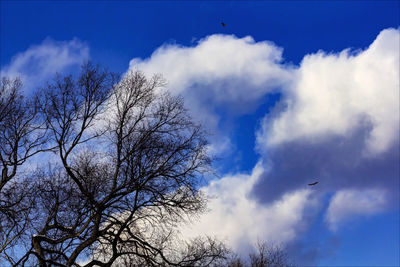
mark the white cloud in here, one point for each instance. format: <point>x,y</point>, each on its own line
<point>241,221</point>
<point>332,94</point>
<point>348,203</point>
<point>40,62</point>
<point>220,65</point>
<point>220,71</point>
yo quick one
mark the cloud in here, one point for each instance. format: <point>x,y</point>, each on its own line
<point>235,217</point>
<point>333,94</point>
<point>363,202</point>
<point>221,67</point>
<point>41,62</point>
<point>220,74</point>
<point>339,123</point>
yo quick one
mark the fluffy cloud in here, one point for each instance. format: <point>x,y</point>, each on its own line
<point>332,94</point>
<point>235,217</point>
<point>221,72</point>
<point>221,67</point>
<point>363,202</point>
<point>40,62</point>
<point>339,125</point>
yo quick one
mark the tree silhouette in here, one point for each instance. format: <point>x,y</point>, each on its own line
<point>122,173</point>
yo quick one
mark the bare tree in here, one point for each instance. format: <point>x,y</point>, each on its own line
<point>124,174</point>
<point>266,255</point>
<point>269,256</point>
<point>21,136</point>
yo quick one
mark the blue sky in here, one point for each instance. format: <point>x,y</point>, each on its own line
<point>285,101</point>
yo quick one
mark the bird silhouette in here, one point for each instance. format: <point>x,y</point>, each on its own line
<point>313,183</point>
<point>223,24</point>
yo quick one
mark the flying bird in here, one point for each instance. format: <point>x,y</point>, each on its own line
<point>313,183</point>
<point>223,24</point>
